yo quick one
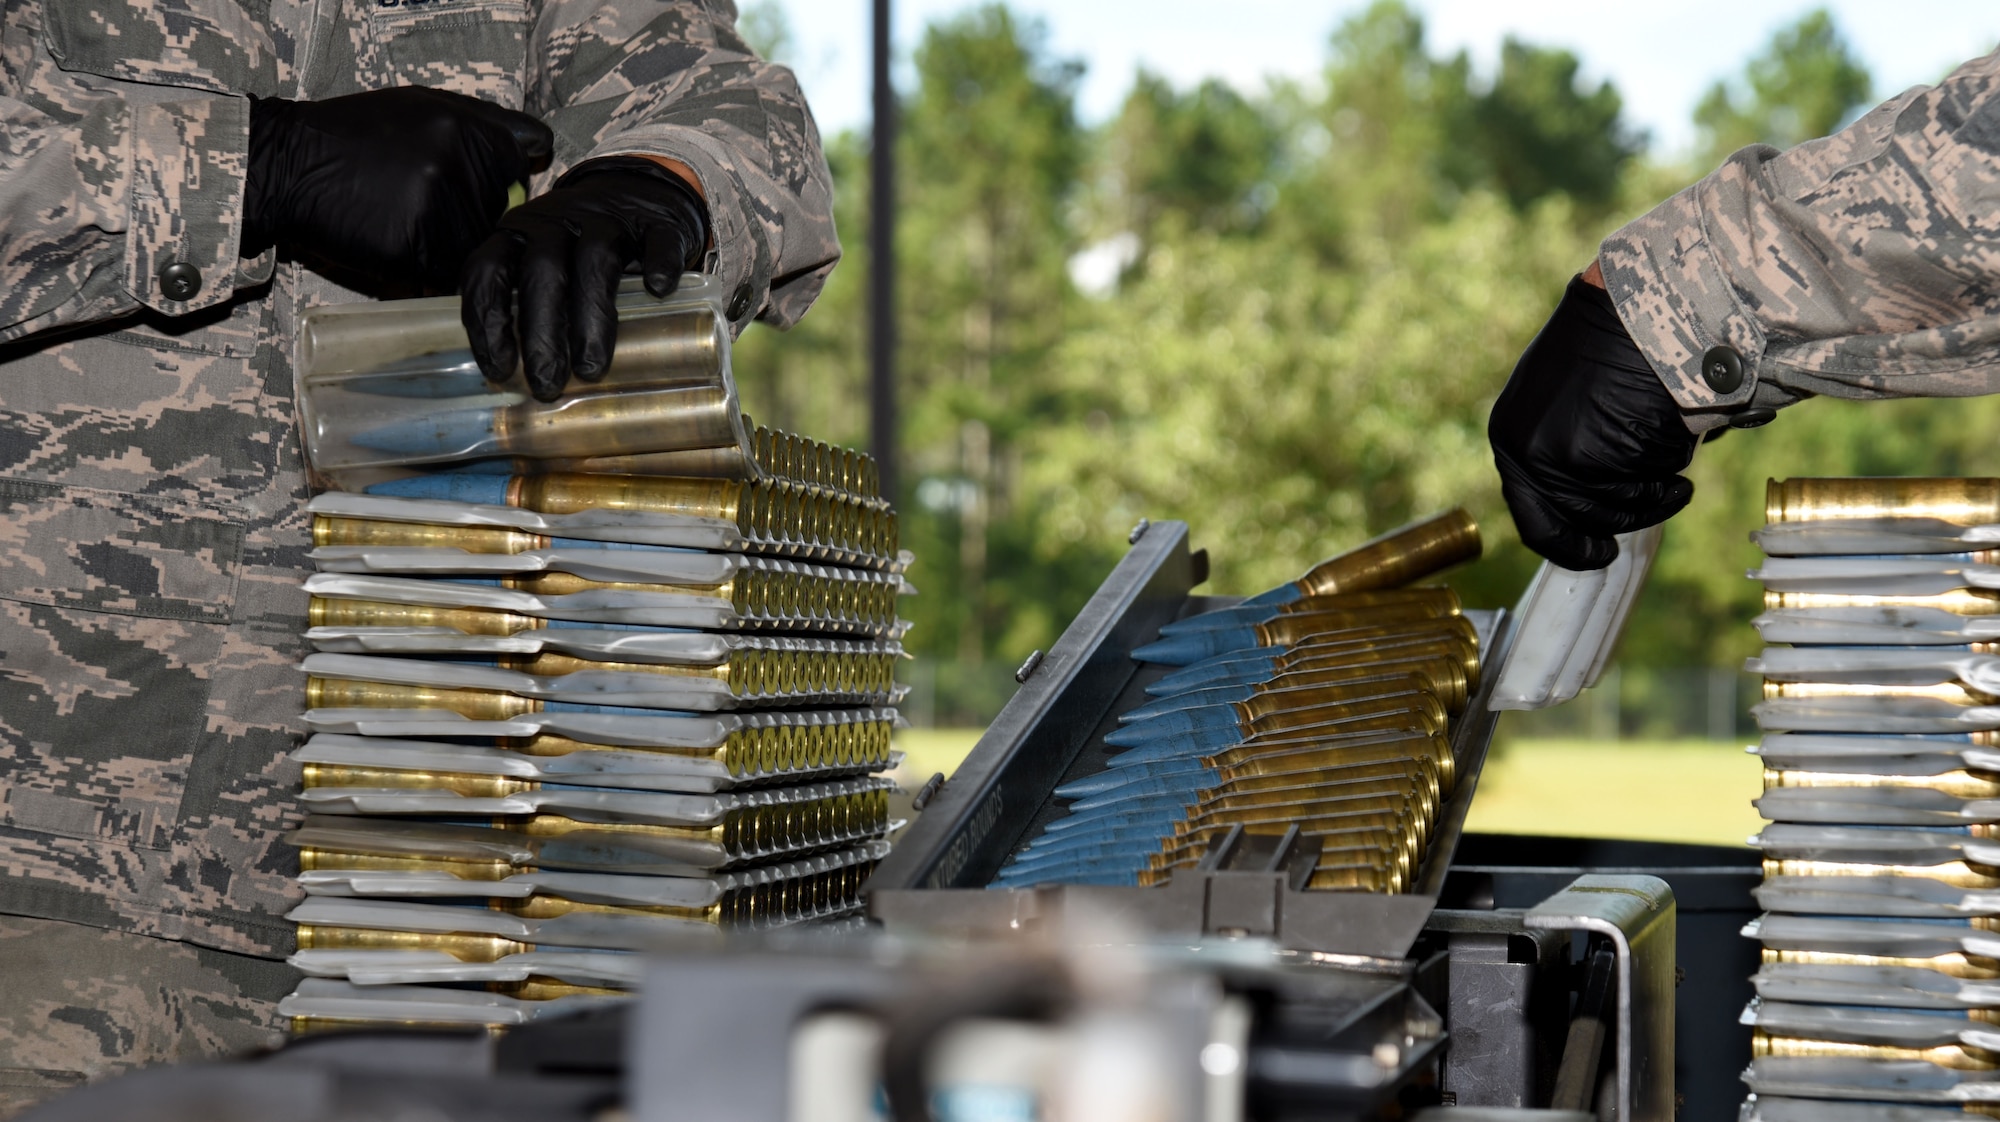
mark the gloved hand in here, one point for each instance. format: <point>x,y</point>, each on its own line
<point>564,252</point>
<point>384,186</point>
<point>1588,441</point>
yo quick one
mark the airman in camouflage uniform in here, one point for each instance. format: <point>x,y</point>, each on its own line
<point>152,536</point>
<point>1861,265</point>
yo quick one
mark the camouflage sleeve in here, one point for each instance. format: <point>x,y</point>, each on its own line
<point>672,78</point>
<point>1859,265</point>
<point>105,182</point>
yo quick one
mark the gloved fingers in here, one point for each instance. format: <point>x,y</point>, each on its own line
<point>544,295</point>
<point>599,259</point>
<point>1621,508</point>
<point>663,258</point>
<point>532,141</point>
<point>486,304</point>
<point>1546,532</point>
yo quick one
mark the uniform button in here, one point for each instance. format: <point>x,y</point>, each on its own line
<point>739,303</point>
<point>1752,418</point>
<point>179,280</point>
<point>1722,369</point>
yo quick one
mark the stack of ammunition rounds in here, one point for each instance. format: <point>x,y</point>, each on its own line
<point>562,715</point>
<point>1323,704</point>
<point>1881,963</point>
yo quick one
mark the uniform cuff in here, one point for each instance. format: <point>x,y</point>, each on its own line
<point>186,200</point>
<point>1680,306</point>
<point>740,260</point>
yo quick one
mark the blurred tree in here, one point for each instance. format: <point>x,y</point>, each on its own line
<point>1805,84</point>
<point>1536,132</point>
<point>992,155</point>
<point>1206,156</point>
<point>763,25</point>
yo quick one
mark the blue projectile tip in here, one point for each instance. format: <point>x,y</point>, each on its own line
<point>1175,785</point>
<point>459,432</point>
<point>1283,594</point>
<point>488,489</point>
<point>1197,721</point>
<point>1250,665</point>
<point>1242,615</point>
<point>1178,651</point>
<point>1173,748</point>
<point>1116,778</point>
<point>1192,699</point>
<point>441,374</point>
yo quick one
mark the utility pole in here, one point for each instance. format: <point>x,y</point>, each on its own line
<point>882,265</point>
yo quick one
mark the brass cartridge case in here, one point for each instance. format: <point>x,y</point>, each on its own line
<point>794,599</point>
<point>1961,874</point>
<point>1290,630</point>
<point>325,611</point>
<point>773,516</point>
<point>1418,720</point>
<point>1453,635</point>
<point>1441,676</point>
<point>1352,878</point>
<point>625,423</point>
<point>1417,782</point>
<point>1313,713</point>
<point>758,749</point>
<point>1267,772</point>
<point>750,672</point>
<point>1958,1057</point>
<point>1273,704</point>
<point>461,946</point>
<point>1369,729</point>
<point>1405,554</point>
<point>1960,784</point>
<point>543,906</point>
<point>556,583</point>
<point>1962,501</point>
<point>1373,598</point>
<point>1285,790</point>
<point>479,705</point>
<point>727,462</point>
<point>316,857</point>
<point>1954,965</point>
<point>1961,601</point>
<point>537,988</point>
<point>1953,692</point>
<point>333,530</point>
<point>462,783</point>
<point>1182,850</point>
<point>309,1026</point>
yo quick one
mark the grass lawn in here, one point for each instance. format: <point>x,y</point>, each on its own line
<point>1672,790</point>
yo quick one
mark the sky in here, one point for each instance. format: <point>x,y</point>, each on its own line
<point>1662,57</point>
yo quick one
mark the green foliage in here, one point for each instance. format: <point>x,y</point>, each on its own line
<point>1207,155</point>
<point>1804,85</point>
<point>1538,134</point>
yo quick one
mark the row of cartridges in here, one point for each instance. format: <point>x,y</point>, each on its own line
<point>1879,993</point>
<point>557,718</point>
<point>1323,704</point>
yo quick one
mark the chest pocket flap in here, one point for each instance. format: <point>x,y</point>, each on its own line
<point>212,45</point>
<point>474,47</point>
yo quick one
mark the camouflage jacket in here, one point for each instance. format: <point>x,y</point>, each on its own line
<point>152,537</point>
<point>1862,265</point>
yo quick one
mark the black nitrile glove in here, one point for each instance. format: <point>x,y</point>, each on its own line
<point>564,252</point>
<point>1588,441</point>
<point>389,186</point>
